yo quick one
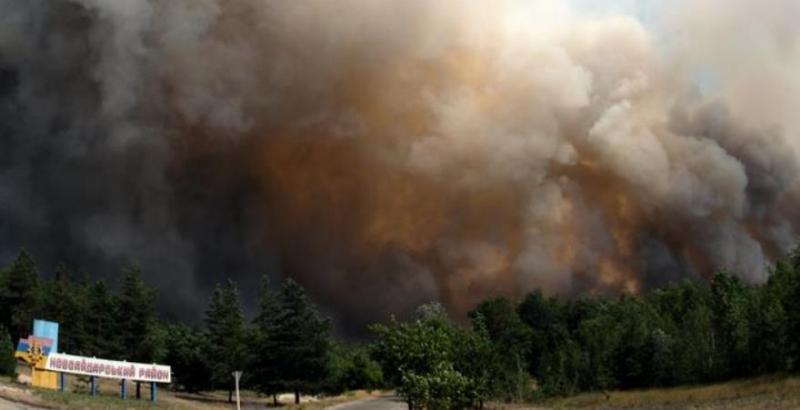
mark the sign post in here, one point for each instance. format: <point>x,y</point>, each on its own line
<point>236,376</point>
<point>49,368</point>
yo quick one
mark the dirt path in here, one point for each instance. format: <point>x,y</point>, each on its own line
<point>14,397</point>
<point>10,405</point>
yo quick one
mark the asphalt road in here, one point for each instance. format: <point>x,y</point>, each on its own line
<point>373,403</point>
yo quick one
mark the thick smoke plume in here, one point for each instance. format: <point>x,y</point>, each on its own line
<point>388,153</point>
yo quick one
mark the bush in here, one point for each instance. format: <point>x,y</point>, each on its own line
<point>441,389</point>
<point>8,364</point>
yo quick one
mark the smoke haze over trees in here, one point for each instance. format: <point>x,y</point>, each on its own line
<point>385,154</point>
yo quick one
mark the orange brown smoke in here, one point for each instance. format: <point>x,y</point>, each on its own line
<point>414,152</point>
<point>390,153</point>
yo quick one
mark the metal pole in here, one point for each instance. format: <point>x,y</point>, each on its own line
<point>152,391</point>
<point>93,380</point>
<point>138,390</point>
<point>236,376</point>
<point>62,378</point>
<point>123,389</point>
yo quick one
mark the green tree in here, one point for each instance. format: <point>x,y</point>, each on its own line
<point>186,353</point>
<point>100,322</point>
<point>433,364</point>
<point>300,337</point>
<point>266,376</point>
<point>542,315</point>
<point>65,302</point>
<point>8,364</point>
<point>413,347</point>
<point>18,292</point>
<point>136,317</point>
<point>478,359</point>
<point>730,304</point>
<point>511,340</point>
<point>686,316</point>
<point>555,358</point>
<point>783,293</point>
<point>226,334</point>
<point>769,324</point>
<point>599,337</point>
<point>633,356</point>
<point>442,388</point>
<point>662,351</point>
<point>351,368</point>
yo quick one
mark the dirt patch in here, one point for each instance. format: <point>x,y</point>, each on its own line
<point>18,394</point>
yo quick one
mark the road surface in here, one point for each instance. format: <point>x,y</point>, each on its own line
<point>373,403</point>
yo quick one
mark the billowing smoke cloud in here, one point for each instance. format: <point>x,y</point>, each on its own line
<point>388,153</point>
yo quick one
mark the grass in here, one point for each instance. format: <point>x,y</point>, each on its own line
<point>84,401</point>
<point>773,392</point>
<point>108,397</point>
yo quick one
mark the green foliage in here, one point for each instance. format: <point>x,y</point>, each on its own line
<point>18,295</point>
<point>8,364</point>
<point>136,318</point>
<point>65,302</point>
<point>266,376</point>
<point>295,342</point>
<point>508,347</point>
<point>186,352</point>
<point>730,302</point>
<point>435,364</point>
<point>441,388</point>
<point>226,335</point>
<point>783,295</point>
<point>599,335</point>
<point>302,338</point>
<point>351,368</point>
<point>100,322</point>
<point>686,332</point>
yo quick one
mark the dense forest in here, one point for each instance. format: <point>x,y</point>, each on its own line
<point>511,350</point>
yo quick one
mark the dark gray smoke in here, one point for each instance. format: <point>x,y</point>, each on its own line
<point>390,153</point>
<point>88,171</point>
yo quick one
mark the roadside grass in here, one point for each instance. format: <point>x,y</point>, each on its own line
<point>58,399</point>
<point>108,397</point>
<point>771,392</point>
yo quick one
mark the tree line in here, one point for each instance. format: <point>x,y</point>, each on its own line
<point>509,350</point>
<point>684,333</point>
<point>287,347</point>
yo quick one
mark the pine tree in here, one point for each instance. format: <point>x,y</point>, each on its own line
<point>186,353</point>
<point>136,317</point>
<point>8,365</point>
<point>18,292</point>
<point>100,323</point>
<point>64,302</point>
<point>226,332</point>
<point>301,341</point>
<point>266,376</point>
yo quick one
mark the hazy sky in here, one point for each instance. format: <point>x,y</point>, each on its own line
<point>643,9</point>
